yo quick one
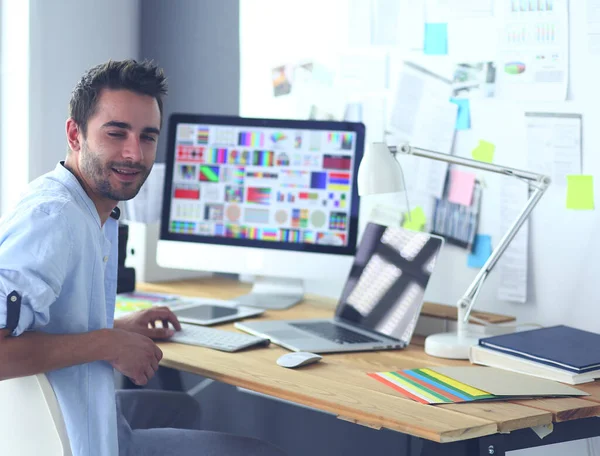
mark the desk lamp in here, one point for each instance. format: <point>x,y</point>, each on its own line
<point>380,172</point>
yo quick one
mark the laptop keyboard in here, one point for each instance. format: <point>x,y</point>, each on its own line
<point>334,333</point>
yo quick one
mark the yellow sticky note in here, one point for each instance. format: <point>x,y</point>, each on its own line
<point>417,219</point>
<point>484,151</point>
<point>580,192</point>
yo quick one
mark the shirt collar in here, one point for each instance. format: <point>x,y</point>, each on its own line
<point>68,179</point>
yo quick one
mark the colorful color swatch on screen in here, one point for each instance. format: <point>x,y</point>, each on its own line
<point>270,234</point>
<point>278,136</point>
<point>251,139</point>
<point>318,180</point>
<point>300,218</point>
<point>234,194</point>
<point>202,135</point>
<point>209,173</point>
<point>341,162</point>
<point>263,158</point>
<point>261,175</point>
<point>283,197</point>
<point>190,154</point>
<point>187,192</point>
<point>216,155</point>
<point>235,231</point>
<point>339,182</point>
<point>346,141</point>
<point>183,227</point>
<point>291,236</point>
<point>259,195</point>
<point>312,197</point>
<point>234,175</point>
<point>309,237</point>
<point>187,172</point>
<point>337,221</point>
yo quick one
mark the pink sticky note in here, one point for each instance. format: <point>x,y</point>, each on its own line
<point>461,187</point>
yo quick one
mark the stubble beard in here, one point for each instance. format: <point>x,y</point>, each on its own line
<point>98,173</point>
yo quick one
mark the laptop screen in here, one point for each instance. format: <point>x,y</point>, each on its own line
<point>385,289</point>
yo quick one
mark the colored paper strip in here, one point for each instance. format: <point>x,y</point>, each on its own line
<point>580,192</point>
<point>482,249</point>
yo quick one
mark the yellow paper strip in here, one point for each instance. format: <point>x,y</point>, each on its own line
<point>456,384</point>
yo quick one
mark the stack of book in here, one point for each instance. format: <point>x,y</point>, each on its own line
<point>560,353</point>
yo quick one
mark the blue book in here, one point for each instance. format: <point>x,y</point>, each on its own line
<point>561,346</point>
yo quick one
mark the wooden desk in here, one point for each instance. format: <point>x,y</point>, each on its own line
<point>339,384</point>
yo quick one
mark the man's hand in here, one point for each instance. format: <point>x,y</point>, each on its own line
<point>144,323</point>
<point>134,355</point>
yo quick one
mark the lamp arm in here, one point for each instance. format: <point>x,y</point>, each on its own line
<point>466,302</point>
<point>538,183</point>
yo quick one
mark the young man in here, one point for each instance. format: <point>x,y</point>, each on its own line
<point>58,279</point>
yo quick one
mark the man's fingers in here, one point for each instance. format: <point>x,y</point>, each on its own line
<point>165,314</point>
<point>159,333</point>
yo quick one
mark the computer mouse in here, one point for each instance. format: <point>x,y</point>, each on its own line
<point>297,359</point>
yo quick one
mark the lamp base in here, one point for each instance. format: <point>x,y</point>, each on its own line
<point>450,345</point>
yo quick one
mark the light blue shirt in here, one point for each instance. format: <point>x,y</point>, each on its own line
<point>55,253</point>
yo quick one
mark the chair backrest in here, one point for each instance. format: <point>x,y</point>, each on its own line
<point>31,422</point>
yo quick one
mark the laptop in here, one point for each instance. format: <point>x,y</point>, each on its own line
<point>380,303</point>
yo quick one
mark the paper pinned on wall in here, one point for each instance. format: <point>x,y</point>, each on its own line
<point>554,145</point>
<point>424,116</point>
<point>533,57</point>
<point>484,152</point>
<point>436,39</point>
<point>384,22</point>
<point>593,19</point>
<point>482,249</point>
<point>462,184</point>
<point>417,220</point>
<point>512,265</point>
<point>463,118</point>
<point>580,192</point>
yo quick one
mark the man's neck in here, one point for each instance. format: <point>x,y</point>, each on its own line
<point>103,207</point>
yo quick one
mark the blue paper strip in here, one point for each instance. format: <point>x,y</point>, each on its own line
<point>463,117</point>
<point>436,39</point>
<point>482,249</point>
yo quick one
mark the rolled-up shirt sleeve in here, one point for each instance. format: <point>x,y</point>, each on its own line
<point>35,250</point>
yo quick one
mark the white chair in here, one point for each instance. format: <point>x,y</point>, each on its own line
<point>31,422</point>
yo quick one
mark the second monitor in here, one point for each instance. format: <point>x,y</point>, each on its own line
<point>273,198</point>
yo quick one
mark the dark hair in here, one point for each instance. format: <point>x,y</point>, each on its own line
<point>144,78</point>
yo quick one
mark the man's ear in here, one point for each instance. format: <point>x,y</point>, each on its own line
<point>74,135</point>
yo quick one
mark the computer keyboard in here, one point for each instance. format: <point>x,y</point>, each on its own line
<point>218,339</point>
<point>334,333</point>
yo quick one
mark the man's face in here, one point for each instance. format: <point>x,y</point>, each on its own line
<point>120,146</point>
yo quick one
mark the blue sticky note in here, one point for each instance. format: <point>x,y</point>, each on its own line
<point>463,117</point>
<point>436,39</point>
<point>482,249</point>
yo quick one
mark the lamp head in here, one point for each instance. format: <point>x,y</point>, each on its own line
<point>379,172</point>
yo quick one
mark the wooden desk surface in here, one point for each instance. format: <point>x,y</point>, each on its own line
<point>339,384</point>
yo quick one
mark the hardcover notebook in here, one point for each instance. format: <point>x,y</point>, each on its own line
<point>560,346</point>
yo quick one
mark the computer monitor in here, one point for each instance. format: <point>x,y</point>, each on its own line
<point>273,198</point>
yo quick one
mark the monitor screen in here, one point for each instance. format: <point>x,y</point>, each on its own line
<point>269,183</point>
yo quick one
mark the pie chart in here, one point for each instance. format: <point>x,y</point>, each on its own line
<point>514,67</point>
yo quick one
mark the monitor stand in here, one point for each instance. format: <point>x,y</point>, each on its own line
<point>273,293</point>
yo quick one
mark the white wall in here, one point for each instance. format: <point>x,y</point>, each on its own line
<point>564,245</point>
<point>66,37</point>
